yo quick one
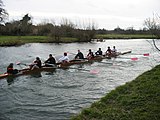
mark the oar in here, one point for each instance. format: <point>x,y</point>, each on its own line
<point>93,71</point>
<point>106,62</point>
<point>19,63</point>
<point>71,53</point>
<point>134,59</point>
<point>146,54</point>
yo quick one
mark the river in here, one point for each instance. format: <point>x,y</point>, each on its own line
<point>60,94</point>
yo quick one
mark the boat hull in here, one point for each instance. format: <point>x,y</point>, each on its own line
<point>61,65</point>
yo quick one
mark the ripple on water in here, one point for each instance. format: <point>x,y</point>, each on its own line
<point>59,94</point>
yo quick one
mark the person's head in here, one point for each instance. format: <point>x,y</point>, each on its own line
<point>50,55</point>
<point>37,58</point>
<point>11,64</point>
<point>65,54</point>
<point>99,48</point>
<point>114,47</point>
<point>79,51</point>
<point>89,50</point>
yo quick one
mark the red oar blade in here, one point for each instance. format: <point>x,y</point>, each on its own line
<point>146,54</point>
<point>18,63</point>
<point>95,71</point>
<point>134,59</point>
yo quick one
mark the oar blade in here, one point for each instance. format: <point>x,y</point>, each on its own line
<point>134,59</point>
<point>146,54</point>
<point>95,71</point>
<point>18,63</point>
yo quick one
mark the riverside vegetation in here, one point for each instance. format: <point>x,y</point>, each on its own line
<point>136,100</point>
<point>19,40</point>
<point>23,31</point>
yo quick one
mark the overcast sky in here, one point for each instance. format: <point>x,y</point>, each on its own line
<point>106,14</point>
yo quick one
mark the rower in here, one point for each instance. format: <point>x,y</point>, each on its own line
<point>64,59</point>
<point>36,64</point>
<point>90,54</point>
<point>79,55</point>
<point>109,51</point>
<point>114,50</point>
<point>50,61</point>
<point>99,52</point>
<point>10,69</point>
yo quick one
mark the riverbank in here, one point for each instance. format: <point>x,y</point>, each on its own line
<point>136,100</point>
<point>19,40</point>
<point>125,36</point>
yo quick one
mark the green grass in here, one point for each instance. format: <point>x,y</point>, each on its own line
<point>136,100</point>
<point>124,36</point>
<point>19,40</point>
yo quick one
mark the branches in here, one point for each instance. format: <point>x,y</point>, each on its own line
<point>155,45</point>
<point>153,24</point>
<point>3,13</point>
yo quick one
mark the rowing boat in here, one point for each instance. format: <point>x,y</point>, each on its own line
<point>27,71</point>
<point>96,58</point>
<point>61,65</point>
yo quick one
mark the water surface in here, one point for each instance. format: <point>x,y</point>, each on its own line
<point>59,94</point>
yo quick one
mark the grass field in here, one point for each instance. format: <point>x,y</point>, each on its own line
<point>124,36</point>
<point>19,40</point>
<point>136,100</point>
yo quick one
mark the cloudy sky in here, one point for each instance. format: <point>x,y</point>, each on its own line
<point>106,14</point>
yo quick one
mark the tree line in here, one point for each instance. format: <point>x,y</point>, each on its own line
<point>67,28</point>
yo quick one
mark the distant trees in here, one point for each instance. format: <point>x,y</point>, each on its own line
<point>20,27</point>
<point>25,25</point>
<point>3,13</point>
<point>83,31</point>
<point>66,28</point>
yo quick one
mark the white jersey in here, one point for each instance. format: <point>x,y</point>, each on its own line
<point>114,50</point>
<point>64,58</point>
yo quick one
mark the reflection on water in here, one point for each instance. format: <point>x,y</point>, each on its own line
<point>10,80</point>
<point>58,94</point>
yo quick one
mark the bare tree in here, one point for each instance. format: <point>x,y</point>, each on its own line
<point>3,13</point>
<point>153,24</point>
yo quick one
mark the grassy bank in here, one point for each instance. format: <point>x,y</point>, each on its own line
<point>124,36</point>
<point>136,100</point>
<point>19,40</point>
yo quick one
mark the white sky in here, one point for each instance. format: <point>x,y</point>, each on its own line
<point>106,14</point>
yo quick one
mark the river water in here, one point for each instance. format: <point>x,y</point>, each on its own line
<point>60,94</point>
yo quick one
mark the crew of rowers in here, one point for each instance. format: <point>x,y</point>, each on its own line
<point>50,62</point>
